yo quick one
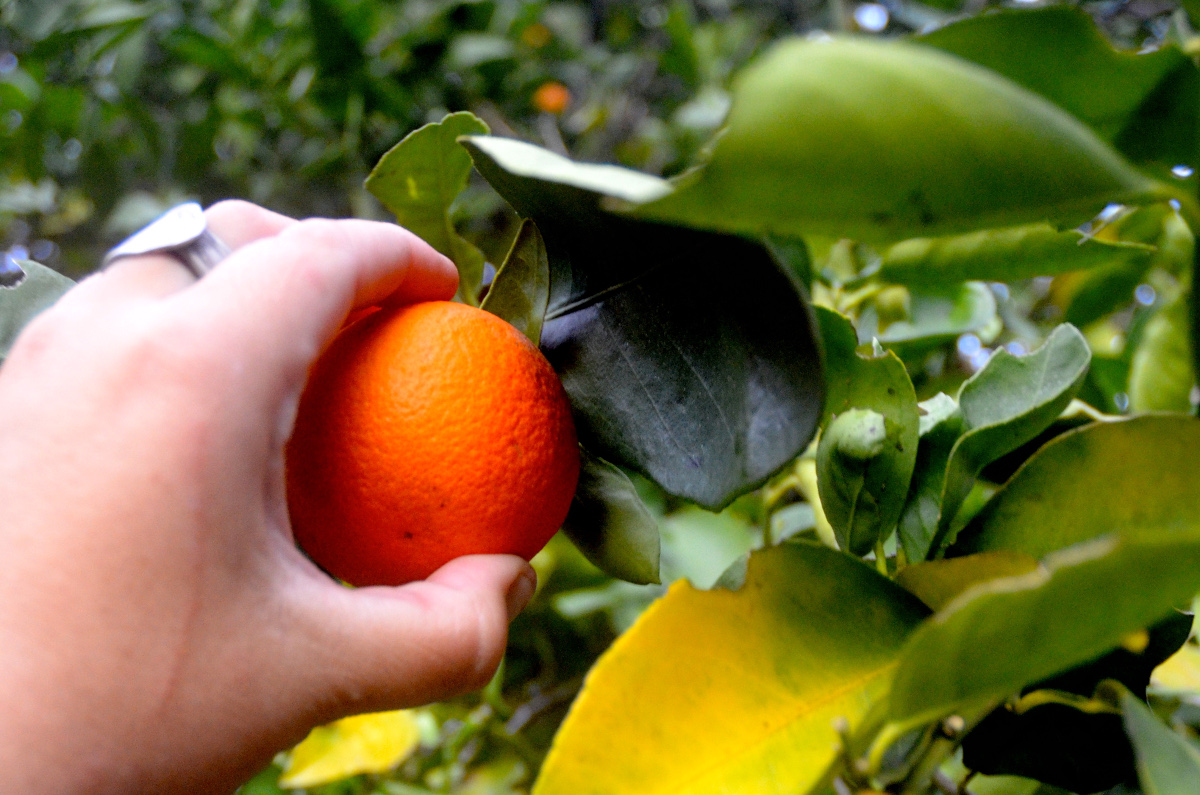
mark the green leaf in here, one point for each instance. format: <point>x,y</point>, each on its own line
<point>1161,376</point>
<point>937,583</point>
<point>1168,764</point>
<point>521,289</point>
<point>371,743</point>
<point>1103,291</point>
<point>1004,634</point>
<point>700,545</point>
<point>419,178</point>
<point>724,691</point>
<point>1111,565</point>
<point>939,428</point>
<point>1080,750</point>
<point>1004,255</point>
<point>1195,310</point>
<point>883,141</point>
<point>879,384</point>
<point>1006,404</point>
<point>1145,104</point>
<point>557,174</point>
<point>610,525</point>
<point>852,471</point>
<point>19,304</point>
<point>704,380</point>
<point>1066,492</point>
<point>681,58</point>
<point>936,315</point>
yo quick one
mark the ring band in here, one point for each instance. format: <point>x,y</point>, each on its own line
<point>181,232</point>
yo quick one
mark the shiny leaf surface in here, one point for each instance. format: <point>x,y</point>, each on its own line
<point>704,381</point>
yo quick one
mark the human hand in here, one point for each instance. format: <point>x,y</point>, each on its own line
<point>159,631</point>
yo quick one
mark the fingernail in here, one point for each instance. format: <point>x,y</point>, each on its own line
<point>520,592</point>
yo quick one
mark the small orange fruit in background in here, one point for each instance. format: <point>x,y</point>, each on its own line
<point>427,432</point>
<point>551,97</point>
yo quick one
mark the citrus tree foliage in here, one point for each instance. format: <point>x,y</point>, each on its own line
<point>887,396</point>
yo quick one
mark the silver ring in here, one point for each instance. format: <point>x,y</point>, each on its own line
<point>181,232</point>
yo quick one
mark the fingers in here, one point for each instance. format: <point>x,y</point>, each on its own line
<point>158,275</point>
<point>278,301</point>
<point>425,641</point>
<point>239,223</point>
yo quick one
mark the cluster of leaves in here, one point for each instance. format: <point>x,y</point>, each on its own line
<point>1029,551</point>
<point>957,262</point>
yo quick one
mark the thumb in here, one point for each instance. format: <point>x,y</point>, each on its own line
<point>425,641</point>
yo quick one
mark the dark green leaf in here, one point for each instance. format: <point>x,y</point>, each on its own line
<point>794,255</point>
<point>1147,105</point>
<point>1167,763</point>
<point>883,141</point>
<point>939,429</point>
<point>705,379</point>
<point>1003,255</point>
<point>879,384</point>
<point>1066,493</point>
<point>419,178</point>
<point>1081,751</point>
<point>521,289</point>
<point>610,525</point>
<point>40,288</point>
<point>1006,404</point>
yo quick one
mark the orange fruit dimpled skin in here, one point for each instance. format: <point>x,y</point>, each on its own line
<point>427,432</point>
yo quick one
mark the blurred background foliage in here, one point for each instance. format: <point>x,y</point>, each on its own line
<point>113,110</point>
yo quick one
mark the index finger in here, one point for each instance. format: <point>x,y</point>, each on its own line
<point>278,301</point>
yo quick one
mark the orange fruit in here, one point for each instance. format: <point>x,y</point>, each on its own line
<point>427,432</point>
<point>551,98</point>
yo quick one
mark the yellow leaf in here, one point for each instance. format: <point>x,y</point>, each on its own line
<point>1180,672</point>
<point>370,743</point>
<point>736,691</point>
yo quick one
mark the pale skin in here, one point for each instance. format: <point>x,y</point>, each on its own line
<point>159,631</point>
